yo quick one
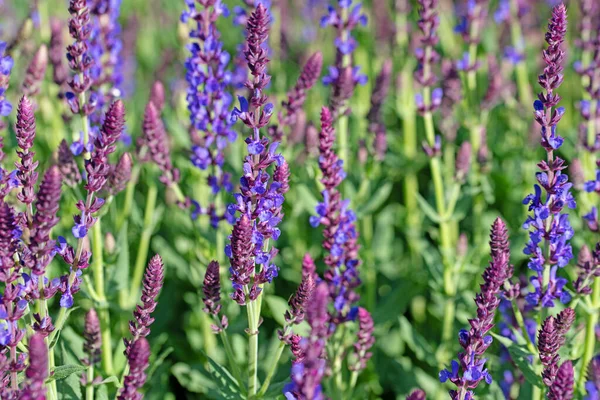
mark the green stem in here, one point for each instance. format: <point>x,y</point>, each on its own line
<point>89,389</point>
<point>344,141</point>
<point>129,193</point>
<point>252,349</point>
<point>537,393</point>
<point>228,350</point>
<point>590,334</point>
<point>272,370</point>
<point>103,314</point>
<point>521,323</point>
<point>142,254</point>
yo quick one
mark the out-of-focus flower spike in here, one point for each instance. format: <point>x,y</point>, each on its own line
<point>365,339</point>
<point>92,344</point>
<point>120,174</point>
<point>37,370</point>
<point>25,133</point>
<point>35,72</point>
<point>212,288</point>
<point>417,394</point>
<point>562,388</point>
<point>68,166</point>
<point>137,359</point>
<point>157,96</point>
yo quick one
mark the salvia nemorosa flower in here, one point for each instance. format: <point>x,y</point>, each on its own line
<point>92,338</point>
<point>343,76</point>
<point>549,226</point>
<point>463,161</point>
<point>56,54</point>
<point>471,27</point>
<point>80,59</point>
<point>340,235</point>
<point>6,64</point>
<point>476,340</point>
<point>427,56</point>
<point>261,196</point>
<point>209,103</point>
<point>588,264</point>
<point>452,96</point>
<point>68,166</point>
<point>44,219</point>
<point>592,386</point>
<point>157,96</point>
<point>365,339</point>
<point>212,288</point>
<point>375,117</point>
<point>120,174</point>
<point>105,48</point>
<point>37,370</point>
<point>292,106</point>
<point>152,284</point>
<point>35,72</point>
<point>550,338</point>
<point>562,387</point>
<point>307,373</point>
<point>154,145</point>
<point>417,394</point>
<point>25,133</point>
<point>137,358</point>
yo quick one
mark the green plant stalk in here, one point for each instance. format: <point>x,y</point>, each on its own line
<point>445,229</point>
<point>42,306</point>
<point>521,323</point>
<point>142,253</point>
<point>516,35</point>
<point>344,141</point>
<point>129,194</point>
<point>537,393</point>
<point>590,334</point>
<point>252,348</point>
<point>272,369</point>
<point>89,389</point>
<point>411,184</point>
<point>103,314</point>
<point>228,349</point>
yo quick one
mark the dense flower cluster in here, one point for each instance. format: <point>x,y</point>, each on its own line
<point>153,282</point>
<point>137,359</point>
<point>343,76</point>
<point>209,102</point>
<point>375,117</point>
<point>35,72</point>
<point>308,372</point>
<point>475,341</point>
<point>261,196</point>
<point>427,56</point>
<point>340,231</point>
<point>92,339</point>
<point>549,226</point>
<point>292,107</point>
<point>551,337</point>
<point>37,372</point>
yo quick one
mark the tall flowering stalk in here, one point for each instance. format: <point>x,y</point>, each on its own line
<point>476,340</point>
<point>37,371</point>
<point>471,27</point>
<point>340,235</point>
<point>209,103</point>
<point>551,337</point>
<point>549,227</point>
<point>137,360</point>
<point>343,76</point>
<point>92,346</point>
<point>80,62</point>
<point>292,106</point>
<point>261,196</point>
<point>309,370</point>
<point>428,101</point>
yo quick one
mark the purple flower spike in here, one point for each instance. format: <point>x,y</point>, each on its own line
<point>548,226</point>
<point>37,371</point>
<point>340,234</point>
<point>296,97</point>
<point>562,388</point>
<point>35,72</point>
<point>92,344</point>
<point>550,338</point>
<point>212,289</point>
<point>476,340</point>
<point>365,339</point>
<point>137,359</point>
<point>417,394</point>
<point>25,133</point>
<point>152,284</point>
<point>426,55</point>
<point>309,369</point>
<point>80,59</point>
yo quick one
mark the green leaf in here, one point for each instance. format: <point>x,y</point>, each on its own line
<point>111,379</point>
<point>159,361</point>
<point>101,392</point>
<point>226,382</point>
<point>416,342</point>
<point>521,356</point>
<point>278,307</point>
<point>427,209</point>
<point>69,388</point>
<point>64,371</point>
<point>376,201</point>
